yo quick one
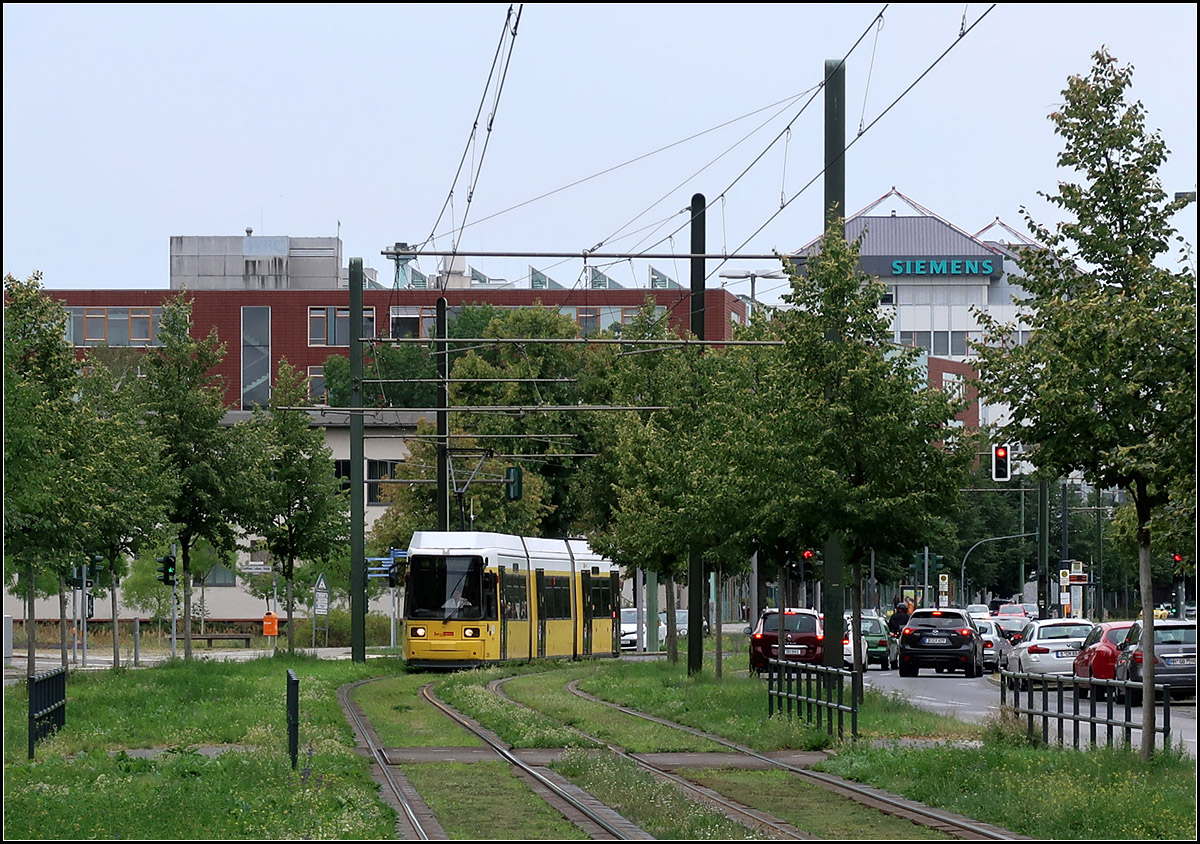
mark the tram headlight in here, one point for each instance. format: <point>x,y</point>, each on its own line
<point>470,632</point>
<point>418,632</point>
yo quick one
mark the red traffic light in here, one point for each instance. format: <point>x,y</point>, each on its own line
<point>808,555</point>
<point>1001,451</point>
<point>1178,558</point>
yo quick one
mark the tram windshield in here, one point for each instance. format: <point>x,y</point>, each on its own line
<point>444,587</point>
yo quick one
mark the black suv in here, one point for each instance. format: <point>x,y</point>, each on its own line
<point>945,639</point>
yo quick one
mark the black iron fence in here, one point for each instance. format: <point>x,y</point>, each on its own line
<point>47,705</point>
<point>293,716</point>
<point>816,693</point>
<point>1061,706</point>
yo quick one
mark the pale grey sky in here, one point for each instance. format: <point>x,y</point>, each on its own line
<point>127,124</point>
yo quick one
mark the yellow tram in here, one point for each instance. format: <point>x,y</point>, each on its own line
<point>475,598</point>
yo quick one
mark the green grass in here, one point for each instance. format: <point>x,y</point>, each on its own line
<point>659,808</point>
<point>465,797</point>
<point>83,783</point>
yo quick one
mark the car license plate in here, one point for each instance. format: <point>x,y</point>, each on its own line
<point>1181,660</point>
<point>936,640</point>
<point>1065,654</point>
<point>794,650</point>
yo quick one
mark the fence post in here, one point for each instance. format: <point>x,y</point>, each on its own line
<point>293,715</point>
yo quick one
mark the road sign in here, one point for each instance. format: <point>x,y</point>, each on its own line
<point>321,596</point>
<point>1064,577</point>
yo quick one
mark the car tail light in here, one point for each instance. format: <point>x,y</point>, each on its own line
<point>907,630</point>
<point>846,641</point>
<point>966,631</point>
<point>882,643</point>
<point>987,643</point>
<point>1137,657</point>
<point>756,636</point>
<point>1038,649</point>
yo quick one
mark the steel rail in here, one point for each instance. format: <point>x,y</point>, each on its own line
<point>930,817</point>
<point>520,764</point>
<point>744,814</point>
<point>363,728</point>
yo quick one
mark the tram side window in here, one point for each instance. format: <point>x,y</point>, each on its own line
<point>516,598</point>
<point>602,605</point>
<point>558,596</point>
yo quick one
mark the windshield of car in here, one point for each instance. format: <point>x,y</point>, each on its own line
<point>794,622</point>
<point>977,608</point>
<point>1011,609</point>
<point>1064,631</point>
<point>1116,635</point>
<point>873,625</point>
<point>629,616</point>
<point>937,619</point>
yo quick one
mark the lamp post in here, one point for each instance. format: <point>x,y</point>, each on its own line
<point>752,275</point>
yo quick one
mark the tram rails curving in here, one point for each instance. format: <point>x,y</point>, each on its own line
<point>947,822</point>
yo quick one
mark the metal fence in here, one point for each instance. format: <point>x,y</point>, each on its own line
<point>1066,716</point>
<point>816,693</point>
<point>47,705</point>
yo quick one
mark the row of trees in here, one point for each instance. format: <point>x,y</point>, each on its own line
<point>125,453</point>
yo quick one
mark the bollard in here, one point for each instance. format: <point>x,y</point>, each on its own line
<point>293,715</point>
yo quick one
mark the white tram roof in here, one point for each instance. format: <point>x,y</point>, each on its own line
<point>542,552</point>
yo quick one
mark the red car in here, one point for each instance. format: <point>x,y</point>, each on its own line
<point>1011,609</point>
<point>804,637</point>
<point>1098,655</point>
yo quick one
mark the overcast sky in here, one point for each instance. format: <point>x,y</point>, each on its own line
<point>127,124</point>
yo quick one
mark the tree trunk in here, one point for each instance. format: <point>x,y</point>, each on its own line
<point>1147,641</point>
<point>860,658</point>
<point>290,606</point>
<point>116,626</point>
<point>187,597</point>
<point>62,619</point>
<point>672,635</point>
<point>30,625</point>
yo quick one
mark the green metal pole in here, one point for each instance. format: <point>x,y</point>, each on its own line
<point>358,562</point>
<point>695,563</point>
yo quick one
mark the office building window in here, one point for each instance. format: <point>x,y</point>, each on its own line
<point>256,356</point>
<point>379,470</point>
<point>114,327</point>
<point>317,393</point>
<point>330,325</point>
<point>941,343</point>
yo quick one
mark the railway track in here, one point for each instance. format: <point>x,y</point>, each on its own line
<point>601,823</point>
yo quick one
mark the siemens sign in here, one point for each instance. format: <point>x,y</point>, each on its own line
<point>943,266</point>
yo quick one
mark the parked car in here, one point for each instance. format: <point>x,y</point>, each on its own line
<point>996,646</point>
<point>883,649</point>
<point>629,628</point>
<point>1097,657</point>
<point>1048,646</point>
<point>978,611</point>
<point>944,639</point>
<point>1012,609</point>
<point>681,622</point>
<point>803,637</point>
<point>1174,658</point>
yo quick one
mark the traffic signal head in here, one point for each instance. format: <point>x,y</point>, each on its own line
<point>512,478</point>
<point>1000,467</point>
<point>166,570</point>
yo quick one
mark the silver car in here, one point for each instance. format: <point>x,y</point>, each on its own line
<point>1048,646</point>
<point>1174,658</point>
<point>996,646</point>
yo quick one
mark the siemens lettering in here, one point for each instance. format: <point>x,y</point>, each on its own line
<point>930,266</point>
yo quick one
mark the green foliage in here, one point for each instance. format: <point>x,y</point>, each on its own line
<point>297,506</point>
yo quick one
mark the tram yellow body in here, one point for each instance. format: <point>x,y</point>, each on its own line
<point>474,598</point>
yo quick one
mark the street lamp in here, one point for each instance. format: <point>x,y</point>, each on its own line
<point>752,275</point>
